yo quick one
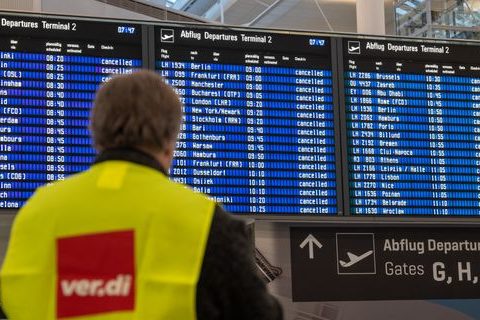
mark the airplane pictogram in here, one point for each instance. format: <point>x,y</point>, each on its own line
<point>354,259</point>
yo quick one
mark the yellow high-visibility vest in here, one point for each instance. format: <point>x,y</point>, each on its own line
<point>118,241</point>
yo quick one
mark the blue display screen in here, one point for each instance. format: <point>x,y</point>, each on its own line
<point>413,127</point>
<point>258,132</point>
<point>49,72</point>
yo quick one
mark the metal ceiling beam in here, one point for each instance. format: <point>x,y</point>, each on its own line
<point>161,13</point>
<point>263,13</point>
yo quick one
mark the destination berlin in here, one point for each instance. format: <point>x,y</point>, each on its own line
<point>431,245</point>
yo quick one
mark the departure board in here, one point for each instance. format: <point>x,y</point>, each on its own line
<point>49,71</point>
<point>413,127</point>
<point>258,132</point>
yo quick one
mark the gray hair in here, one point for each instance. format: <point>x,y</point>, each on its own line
<point>135,110</point>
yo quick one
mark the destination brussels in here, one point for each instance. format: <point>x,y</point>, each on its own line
<point>190,34</point>
<point>66,26</point>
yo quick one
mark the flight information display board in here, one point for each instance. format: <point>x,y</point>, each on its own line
<point>413,127</point>
<point>258,132</point>
<point>49,71</point>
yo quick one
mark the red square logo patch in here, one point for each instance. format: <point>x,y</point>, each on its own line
<point>96,274</point>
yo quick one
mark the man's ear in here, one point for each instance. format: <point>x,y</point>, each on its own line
<point>167,154</point>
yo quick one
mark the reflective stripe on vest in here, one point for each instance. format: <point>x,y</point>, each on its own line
<point>119,241</point>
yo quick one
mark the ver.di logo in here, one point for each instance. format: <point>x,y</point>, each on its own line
<point>96,274</point>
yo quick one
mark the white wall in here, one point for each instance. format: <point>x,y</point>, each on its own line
<point>21,5</point>
<point>89,8</point>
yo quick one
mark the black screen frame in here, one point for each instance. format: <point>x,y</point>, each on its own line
<point>336,111</point>
<point>463,220</point>
<point>144,45</point>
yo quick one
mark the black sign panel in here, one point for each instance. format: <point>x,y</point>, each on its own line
<point>355,264</point>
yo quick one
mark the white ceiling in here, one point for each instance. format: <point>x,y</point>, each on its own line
<point>317,15</point>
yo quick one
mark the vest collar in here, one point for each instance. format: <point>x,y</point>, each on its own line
<point>131,155</point>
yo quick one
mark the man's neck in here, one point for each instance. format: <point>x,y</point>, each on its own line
<point>132,155</point>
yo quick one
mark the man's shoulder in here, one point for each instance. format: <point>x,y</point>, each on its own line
<point>223,219</point>
<point>226,231</point>
<point>53,189</point>
<point>182,191</point>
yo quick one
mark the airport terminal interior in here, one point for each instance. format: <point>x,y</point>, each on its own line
<point>346,133</point>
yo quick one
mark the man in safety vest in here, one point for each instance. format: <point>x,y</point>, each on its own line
<point>122,241</point>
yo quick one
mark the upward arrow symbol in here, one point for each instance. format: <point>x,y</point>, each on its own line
<point>311,241</point>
